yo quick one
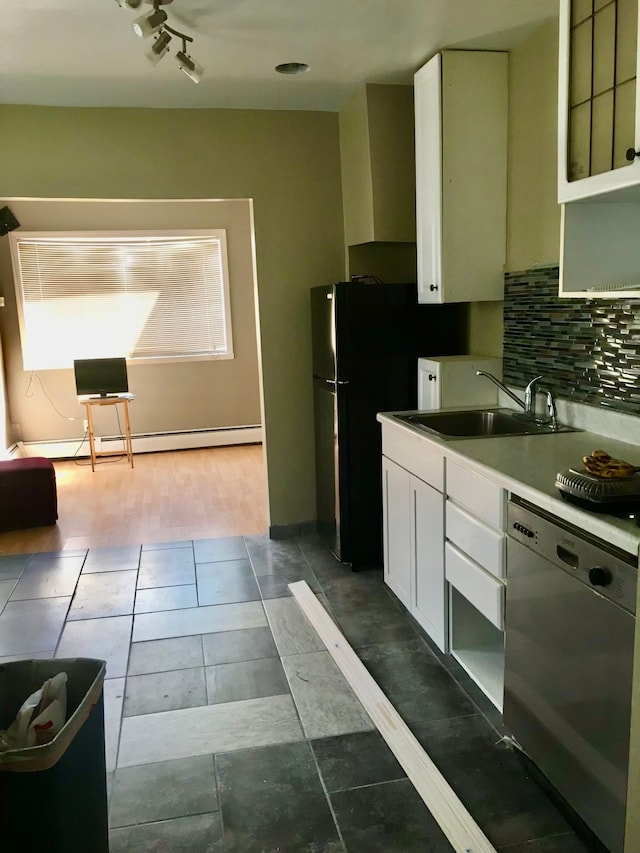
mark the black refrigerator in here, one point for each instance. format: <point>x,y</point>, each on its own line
<point>366,342</point>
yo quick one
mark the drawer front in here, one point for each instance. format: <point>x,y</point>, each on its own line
<point>479,587</point>
<point>415,454</point>
<point>482,543</point>
<point>484,499</point>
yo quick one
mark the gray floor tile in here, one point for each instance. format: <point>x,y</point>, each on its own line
<point>163,791</point>
<point>293,633</point>
<point>366,611</point>
<point>165,598</point>
<point>12,565</point>
<point>272,800</point>
<point>210,729</point>
<point>566,843</point>
<point>194,834</point>
<point>325,702</point>
<point>161,546</point>
<point>32,626</point>
<point>508,805</point>
<point>232,646</point>
<point>229,682</point>
<point>113,699</point>
<point>224,548</point>
<point>6,588</point>
<point>226,581</point>
<point>48,579</point>
<point>280,563</point>
<point>163,655</point>
<point>105,639</point>
<point>416,684</point>
<point>165,691</point>
<point>166,567</point>
<point>120,558</point>
<point>199,620</point>
<point>104,594</point>
<point>351,761</point>
<point>387,817</point>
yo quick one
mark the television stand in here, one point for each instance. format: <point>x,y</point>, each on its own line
<point>109,400</point>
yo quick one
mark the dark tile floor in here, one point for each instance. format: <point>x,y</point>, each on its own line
<point>228,726</point>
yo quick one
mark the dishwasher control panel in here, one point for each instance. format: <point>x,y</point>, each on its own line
<point>593,562</point>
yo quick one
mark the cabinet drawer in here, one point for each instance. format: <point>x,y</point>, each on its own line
<point>483,544</point>
<point>415,454</point>
<point>484,499</point>
<point>479,587</point>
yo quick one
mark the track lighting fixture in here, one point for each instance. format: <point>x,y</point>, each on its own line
<point>192,69</point>
<point>146,25</point>
<point>155,23</point>
<point>159,48</point>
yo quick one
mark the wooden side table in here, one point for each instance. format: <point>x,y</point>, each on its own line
<point>123,400</point>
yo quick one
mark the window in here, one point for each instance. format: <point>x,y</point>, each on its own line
<point>162,295</point>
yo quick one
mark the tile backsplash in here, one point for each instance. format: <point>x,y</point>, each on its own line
<point>588,350</point>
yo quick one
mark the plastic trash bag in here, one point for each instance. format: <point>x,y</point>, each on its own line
<point>40,718</point>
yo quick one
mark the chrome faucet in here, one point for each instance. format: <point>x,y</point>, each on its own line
<point>529,402</point>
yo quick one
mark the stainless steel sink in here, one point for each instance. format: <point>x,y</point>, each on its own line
<point>478,423</point>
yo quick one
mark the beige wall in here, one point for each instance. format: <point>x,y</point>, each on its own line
<point>533,214</point>
<point>175,396</point>
<point>287,162</point>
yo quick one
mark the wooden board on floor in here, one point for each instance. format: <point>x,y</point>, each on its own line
<point>463,832</point>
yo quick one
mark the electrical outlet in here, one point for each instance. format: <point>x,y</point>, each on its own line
<point>85,424</point>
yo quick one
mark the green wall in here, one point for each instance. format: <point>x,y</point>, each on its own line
<point>533,214</point>
<point>288,163</point>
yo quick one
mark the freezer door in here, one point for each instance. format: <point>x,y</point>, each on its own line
<point>332,482</point>
<point>323,332</point>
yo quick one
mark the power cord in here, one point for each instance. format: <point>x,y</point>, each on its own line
<point>29,393</point>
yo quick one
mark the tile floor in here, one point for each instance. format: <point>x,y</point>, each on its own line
<point>228,726</point>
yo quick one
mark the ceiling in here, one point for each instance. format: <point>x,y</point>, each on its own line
<point>85,53</point>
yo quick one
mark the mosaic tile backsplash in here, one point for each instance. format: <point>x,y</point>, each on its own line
<point>588,350</point>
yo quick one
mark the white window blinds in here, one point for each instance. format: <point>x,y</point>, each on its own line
<point>161,296</point>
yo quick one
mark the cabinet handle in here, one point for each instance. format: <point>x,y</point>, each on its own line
<point>632,154</point>
<point>433,287</point>
<point>432,376</point>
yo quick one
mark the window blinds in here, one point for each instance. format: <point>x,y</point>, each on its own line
<point>141,297</point>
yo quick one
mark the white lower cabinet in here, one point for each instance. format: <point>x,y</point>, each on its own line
<point>396,498</point>
<point>429,593</point>
<point>414,548</point>
<point>475,558</point>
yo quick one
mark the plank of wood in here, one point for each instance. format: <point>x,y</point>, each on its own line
<point>463,832</point>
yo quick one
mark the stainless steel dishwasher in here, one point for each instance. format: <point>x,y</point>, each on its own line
<point>570,621</point>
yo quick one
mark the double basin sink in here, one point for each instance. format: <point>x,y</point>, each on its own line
<point>479,423</point>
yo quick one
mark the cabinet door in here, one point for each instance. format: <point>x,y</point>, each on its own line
<point>428,385</point>
<point>428,117</point>
<point>396,502</point>
<point>429,587</point>
<point>598,118</point>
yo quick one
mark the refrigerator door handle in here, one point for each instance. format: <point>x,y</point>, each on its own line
<point>332,382</point>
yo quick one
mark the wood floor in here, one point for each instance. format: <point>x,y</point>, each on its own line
<point>185,494</point>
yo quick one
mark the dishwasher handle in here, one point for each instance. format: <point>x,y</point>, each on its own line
<point>567,556</point>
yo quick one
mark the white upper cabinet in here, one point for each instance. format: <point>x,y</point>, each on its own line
<point>461,175</point>
<point>598,111</point>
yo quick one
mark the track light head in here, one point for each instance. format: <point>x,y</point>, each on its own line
<point>191,68</point>
<point>146,25</point>
<point>159,48</point>
<point>130,4</point>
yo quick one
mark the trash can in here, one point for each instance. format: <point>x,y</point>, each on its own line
<point>53,797</point>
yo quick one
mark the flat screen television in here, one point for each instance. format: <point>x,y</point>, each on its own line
<point>101,377</point>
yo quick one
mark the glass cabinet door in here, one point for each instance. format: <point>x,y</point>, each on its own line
<point>602,85</point>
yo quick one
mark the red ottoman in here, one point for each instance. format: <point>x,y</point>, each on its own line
<point>28,496</point>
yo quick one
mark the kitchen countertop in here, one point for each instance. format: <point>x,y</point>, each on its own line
<point>527,466</point>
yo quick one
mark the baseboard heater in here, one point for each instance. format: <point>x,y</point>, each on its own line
<point>151,442</point>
